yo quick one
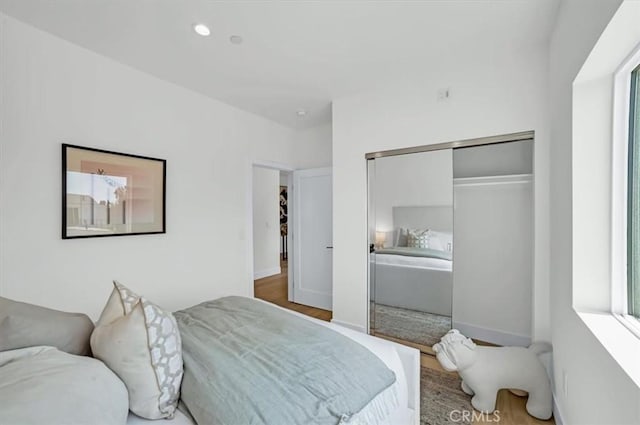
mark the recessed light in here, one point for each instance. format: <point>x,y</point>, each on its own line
<point>301,112</point>
<point>236,39</point>
<point>202,29</point>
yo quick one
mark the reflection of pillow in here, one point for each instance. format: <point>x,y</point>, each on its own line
<point>27,325</point>
<point>401,237</point>
<point>418,238</point>
<point>42,385</point>
<point>141,343</point>
<point>441,241</point>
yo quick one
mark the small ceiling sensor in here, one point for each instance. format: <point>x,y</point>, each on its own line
<point>202,29</point>
<point>301,113</point>
<point>236,39</point>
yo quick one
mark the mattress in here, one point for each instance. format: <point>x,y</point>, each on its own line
<point>414,262</point>
<point>381,348</point>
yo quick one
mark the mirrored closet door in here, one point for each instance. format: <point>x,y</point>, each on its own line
<point>411,252</point>
<point>451,241</point>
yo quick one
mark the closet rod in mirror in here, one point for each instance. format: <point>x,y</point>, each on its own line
<point>513,137</point>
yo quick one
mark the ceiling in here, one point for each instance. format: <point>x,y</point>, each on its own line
<point>295,55</point>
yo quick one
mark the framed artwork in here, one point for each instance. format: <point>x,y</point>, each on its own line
<point>111,194</point>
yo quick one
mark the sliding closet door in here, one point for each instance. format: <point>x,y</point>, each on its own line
<point>493,219</point>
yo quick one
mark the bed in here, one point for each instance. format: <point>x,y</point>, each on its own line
<point>413,278</point>
<point>233,327</point>
<point>402,360</point>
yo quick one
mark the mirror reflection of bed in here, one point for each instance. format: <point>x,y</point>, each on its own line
<point>414,284</point>
<point>411,260</point>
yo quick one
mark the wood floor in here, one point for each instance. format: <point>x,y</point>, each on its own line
<point>424,349</point>
<point>275,289</point>
<point>511,407</point>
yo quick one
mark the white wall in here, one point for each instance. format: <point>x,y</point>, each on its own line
<point>312,147</point>
<point>266,222</point>
<point>598,390</point>
<point>491,95</point>
<point>418,179</point>
<point>54,92</point>
<point>284,178</point>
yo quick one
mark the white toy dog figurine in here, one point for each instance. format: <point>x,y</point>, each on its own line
<point>486,370</point>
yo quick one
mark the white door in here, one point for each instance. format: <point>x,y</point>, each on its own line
<point>312,234</point>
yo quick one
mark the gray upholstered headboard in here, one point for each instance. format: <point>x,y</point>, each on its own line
<point>434,217</point>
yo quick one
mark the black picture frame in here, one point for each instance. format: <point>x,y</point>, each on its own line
<point>106,193</point>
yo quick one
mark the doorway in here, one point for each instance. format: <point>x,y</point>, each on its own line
<point>276,253</point>
<point>270,195</point>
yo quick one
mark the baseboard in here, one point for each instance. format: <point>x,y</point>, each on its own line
<point>259,274</point>
<point>492,335</point>
<point>349,325</point>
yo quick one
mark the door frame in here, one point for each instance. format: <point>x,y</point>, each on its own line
<point>249,221</point>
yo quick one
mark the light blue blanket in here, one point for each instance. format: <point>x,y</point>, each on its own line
<point>246,362</point>
<point>416,252</point>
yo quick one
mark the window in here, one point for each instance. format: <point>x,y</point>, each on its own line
<point>633,199</point>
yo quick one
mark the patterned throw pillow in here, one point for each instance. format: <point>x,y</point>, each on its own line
<point>418,238</point>
<point>141,343</point>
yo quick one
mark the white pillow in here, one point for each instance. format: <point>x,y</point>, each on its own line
<point>141,343</point>
<point>441,241</point>
<point>28,325</point>
<point>400,237</point>
<point>42,385</point>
